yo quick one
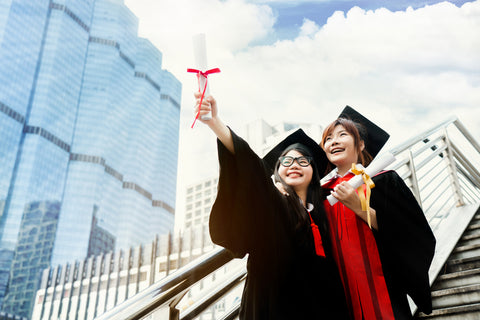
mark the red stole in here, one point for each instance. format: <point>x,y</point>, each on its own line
<point>356,254</point>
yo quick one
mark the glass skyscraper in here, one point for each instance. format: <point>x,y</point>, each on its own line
<point>89,126</point>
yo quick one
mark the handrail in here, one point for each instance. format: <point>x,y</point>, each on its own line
<point>429,161</point>
<point>215,294</point>
<point>420,137</point>
<point>467,135</point>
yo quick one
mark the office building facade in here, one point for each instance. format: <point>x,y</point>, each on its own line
<point>199,201</point>
<point>88,134</point>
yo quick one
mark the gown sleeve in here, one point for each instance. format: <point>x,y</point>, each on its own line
<point>405,240</point>
<point>243,215</point>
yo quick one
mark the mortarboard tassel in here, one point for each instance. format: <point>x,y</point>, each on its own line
<point>317,238</point>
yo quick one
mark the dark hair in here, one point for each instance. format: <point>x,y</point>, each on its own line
<point>359,134</point>
<point>314,193</point>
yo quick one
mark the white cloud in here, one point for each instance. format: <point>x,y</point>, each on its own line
<point>230,25</point>
<point>391,66</point>
<point>308,28</point>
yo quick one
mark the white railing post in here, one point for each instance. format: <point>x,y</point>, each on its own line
<point>457,191</point>
<point>413,178</point>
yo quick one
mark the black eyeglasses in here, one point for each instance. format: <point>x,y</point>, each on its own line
<point>287,161</point>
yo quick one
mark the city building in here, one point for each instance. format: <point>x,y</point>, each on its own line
<point>261,137</point>
<point>87,288</point>
<point>198,202</point>
<point>89,129</point>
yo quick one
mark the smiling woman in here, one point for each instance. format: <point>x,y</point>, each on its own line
<point>295,170</point>
<point>378,266</point>
<point>291,271</point>
<point>344,148</point>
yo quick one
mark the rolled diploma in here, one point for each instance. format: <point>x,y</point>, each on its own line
<point>377,165</point>
<point>200,55</point>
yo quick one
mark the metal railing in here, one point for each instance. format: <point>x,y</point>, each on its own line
<point>439,165</point>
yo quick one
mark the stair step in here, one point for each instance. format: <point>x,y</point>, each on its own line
<point>456,296</point>
<point>467,312</point>
<point>457,279</point>
<point>474,225</point>
<point>470,239</point>
<point>467,251</point>
<point>472,229</point>
<point>454,265</point>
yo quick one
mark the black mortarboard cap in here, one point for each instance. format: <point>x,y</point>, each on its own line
<point>300,137</point>
<point>374,137</point>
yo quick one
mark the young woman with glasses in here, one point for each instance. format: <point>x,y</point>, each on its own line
<point>291,271</point>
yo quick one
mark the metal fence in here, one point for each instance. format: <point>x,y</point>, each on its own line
<point>440,166</point>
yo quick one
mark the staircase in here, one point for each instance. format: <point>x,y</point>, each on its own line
<point>456,291</point>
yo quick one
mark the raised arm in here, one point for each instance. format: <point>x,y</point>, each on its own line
<point>215,124</point>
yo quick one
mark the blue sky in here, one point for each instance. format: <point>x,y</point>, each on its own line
<point>290,14</point>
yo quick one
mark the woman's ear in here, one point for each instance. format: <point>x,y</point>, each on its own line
<point>362,145</point>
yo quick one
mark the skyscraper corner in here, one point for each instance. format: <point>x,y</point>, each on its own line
<point>89,131</point>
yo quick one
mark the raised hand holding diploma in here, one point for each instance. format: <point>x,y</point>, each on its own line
<point>200,54</point>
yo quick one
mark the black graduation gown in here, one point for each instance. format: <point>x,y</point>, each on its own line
<point>405,242</point>
<point>286,279</point>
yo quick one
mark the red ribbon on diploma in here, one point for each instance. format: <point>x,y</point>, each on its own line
<point>205,75</point>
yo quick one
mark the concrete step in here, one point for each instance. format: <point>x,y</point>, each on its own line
<point>468,312</point>
<point>454,297</point>
<point>457,279</point>
<point>466,251</point>
<point>473,228</point>
<point>456,293</point>
<point>455,265</point>
<point>469,239</point>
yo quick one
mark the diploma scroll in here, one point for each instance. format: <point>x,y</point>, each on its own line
<point>377,165</point>
<point>200,55</point>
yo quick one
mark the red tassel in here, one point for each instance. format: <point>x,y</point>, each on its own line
<point>317,238</point>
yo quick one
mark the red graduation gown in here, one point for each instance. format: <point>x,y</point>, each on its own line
<point>356,254</point>
<point>379,268</point>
